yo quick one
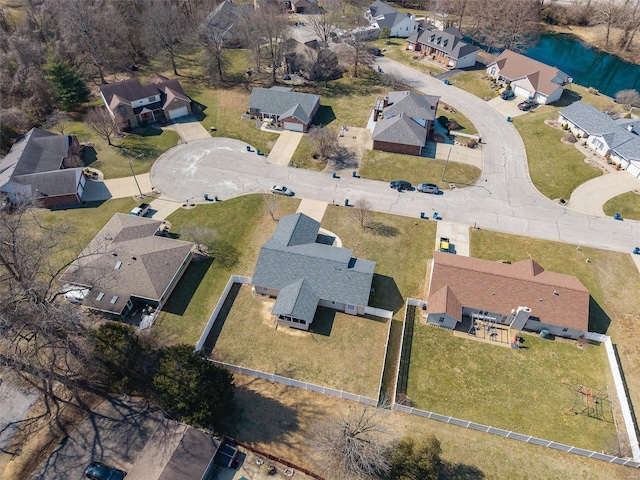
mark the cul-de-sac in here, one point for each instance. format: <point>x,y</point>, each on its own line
<point>319,239</point>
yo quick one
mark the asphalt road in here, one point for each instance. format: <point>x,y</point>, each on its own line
<point>504,199</point>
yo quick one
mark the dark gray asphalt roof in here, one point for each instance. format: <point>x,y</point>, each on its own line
<point>58,182</point>
<point>227,17</point>
<point>128,90</point>
<point>281,100</point>
<point>449,41</point>
<point>400,129</point>
<point>415,105</point>
<point>330,272</point>
<point>297,300</point>
<point>381,8</point>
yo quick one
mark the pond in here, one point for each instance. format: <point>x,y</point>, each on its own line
<point>588,66</point>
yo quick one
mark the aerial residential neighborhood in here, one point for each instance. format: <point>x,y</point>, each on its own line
<point>244,240</point>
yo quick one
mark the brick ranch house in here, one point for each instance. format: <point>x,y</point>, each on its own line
<point>41,166</point>
<point>158,100</point>
<point>304,274</point>
<point>293,110</point>
<point>402,121</point>
<point>521,296</point>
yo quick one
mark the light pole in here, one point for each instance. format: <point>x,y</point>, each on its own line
<point>134,174</point>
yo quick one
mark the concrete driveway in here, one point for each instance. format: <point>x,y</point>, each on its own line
<point>15,404</point>
<point>189,129</point>
<point>592,195</point>
<point>458,235</point>
<point>507,108</point>
<point>285,147</point>
<point>114,434</point>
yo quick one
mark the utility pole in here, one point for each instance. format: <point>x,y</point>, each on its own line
<point>134,174</point>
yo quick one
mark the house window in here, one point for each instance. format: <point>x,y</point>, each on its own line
<point>100,296</point>
<point>441,319</point>
<point>351,307</point>
<point>114,299</point>
<point>565,329</point>
<point>493,71</point>
<point>295,320</point>
<point>432,38</point>
<point>151,99</point>
<point>303,322</point>
<point>597,144</point>
<point>122,110</point>
<point>444,44</point>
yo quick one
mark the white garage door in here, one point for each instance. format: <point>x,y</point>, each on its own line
<point>294,127</point>
<point>521,92</point>
<point>177,113</point>
<point>634,169</point>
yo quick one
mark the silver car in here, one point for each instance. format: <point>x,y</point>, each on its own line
<point>428,188</point>
<point>281,190</point>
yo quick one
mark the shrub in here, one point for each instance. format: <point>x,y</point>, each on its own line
<point>444,121</point>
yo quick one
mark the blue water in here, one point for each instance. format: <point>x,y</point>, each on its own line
<point>588,67</point>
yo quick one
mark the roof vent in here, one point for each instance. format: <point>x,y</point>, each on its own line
<point>118,265</point>
<point>100,296</point>
<point>133,258</point>
<point>114,299</point>
<point>114,254</point>
<point>555,292</point>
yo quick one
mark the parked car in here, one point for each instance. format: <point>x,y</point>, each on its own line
<point>281,190</point>
<point>527,105</point>
<point>507,94</point>
<point>100,471</point>
<point>400,185</point>
<point>428,188</point>
<point>445,245</point>
<point>376,52</point>
<point>141,210</point>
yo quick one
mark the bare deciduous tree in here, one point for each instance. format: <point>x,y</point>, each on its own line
<point>630,98</point>
<point>269,22</point>
<point>271,204</point>
<point>103,124</point>
<point>353,443</point>
<point>610,15</point>
<point>361,211</point>
<point>211,33</point>
<point>165,28</point>
<point>325,140</point>
<point>324,20</point>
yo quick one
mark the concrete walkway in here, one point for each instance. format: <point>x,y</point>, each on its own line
<point>312,208</point>
<point>284,148</point>
<point>458,235</point>
<point>162,207</point>
<point>97,191</point>
<point>592,195</point>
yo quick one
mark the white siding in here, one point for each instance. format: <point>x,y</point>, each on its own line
<point>178,112</point>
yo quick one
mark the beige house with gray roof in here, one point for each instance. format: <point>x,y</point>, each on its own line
<point>128,263</point>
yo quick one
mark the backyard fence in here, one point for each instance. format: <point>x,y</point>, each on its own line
<point>386,348</point>
<point>378,312</point>
<point>620,389</point>
<point>216,311</point>
<point>272,377</point>
<point>518,436</point>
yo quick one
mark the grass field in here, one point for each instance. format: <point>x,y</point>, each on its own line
<point>556,169</point>
<point>474,82</point>
<point>387,166</point>
<point>341,351</point>
<point>465,124</point>
<point>242,226</point>
<point>527,391</point>
<point>627,204</point>
<point>303,156</point>
<point>394,48</point>
<point>113,161</point>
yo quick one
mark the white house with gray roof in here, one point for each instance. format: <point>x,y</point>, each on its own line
<point>617,139</point>
<point>445,45</point>
<point>381,15</point>
<point>293,110</point>
<point>304,274</point>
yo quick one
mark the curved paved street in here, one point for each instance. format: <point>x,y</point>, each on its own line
<point>504,199</point>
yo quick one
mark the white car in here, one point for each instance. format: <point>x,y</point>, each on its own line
<point>281,190</point>
<point>141,210</point>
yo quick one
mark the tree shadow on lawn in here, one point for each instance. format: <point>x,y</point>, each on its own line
<point>382,230</point>
<point>460,471</point>
<point>261,419</point>
<point>187,286</point>
<point>387,295</point>
<point>214,334</point>
<point>599,321</point>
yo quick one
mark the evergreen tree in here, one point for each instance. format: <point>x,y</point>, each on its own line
<point>68,85</point>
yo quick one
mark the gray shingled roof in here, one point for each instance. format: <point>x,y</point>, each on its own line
<point>331,273</point>
<point>615,133</point>
<point>131,89</point>
<point>297,300</point>
<point>588,118</point>
<point>148,265</point>
<point>36,159</point>
<point>449,41</point>
<point>381,8</point>
<point>416,105</point>
<point>281,100</point>
<point>400,129</point>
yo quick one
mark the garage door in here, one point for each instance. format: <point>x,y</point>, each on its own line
<point>521,92</point>
<point>294,127</point>
<point>178,112</point>
<point>634,169</point>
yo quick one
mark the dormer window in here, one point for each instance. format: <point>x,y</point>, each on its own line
<point>432,38</point>
<point>122,110</point>
<point>438,41</point>
<point>444,44</point>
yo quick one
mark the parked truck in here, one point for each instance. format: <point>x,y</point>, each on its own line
<point>444,245</point>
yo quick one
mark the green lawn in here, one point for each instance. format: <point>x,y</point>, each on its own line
<point>242,225</point>
<point>113,161</point>
<point>556,169</point>
<point>474,82</point>
<point>387,167</point>
<point>627,204</point>
<point>465,124</point>
<point>527,391</point>
<point>303,156</point>
<point>343,351</point>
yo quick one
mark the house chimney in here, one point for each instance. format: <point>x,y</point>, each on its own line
<point>385,102</point>
<point>630,128</point>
